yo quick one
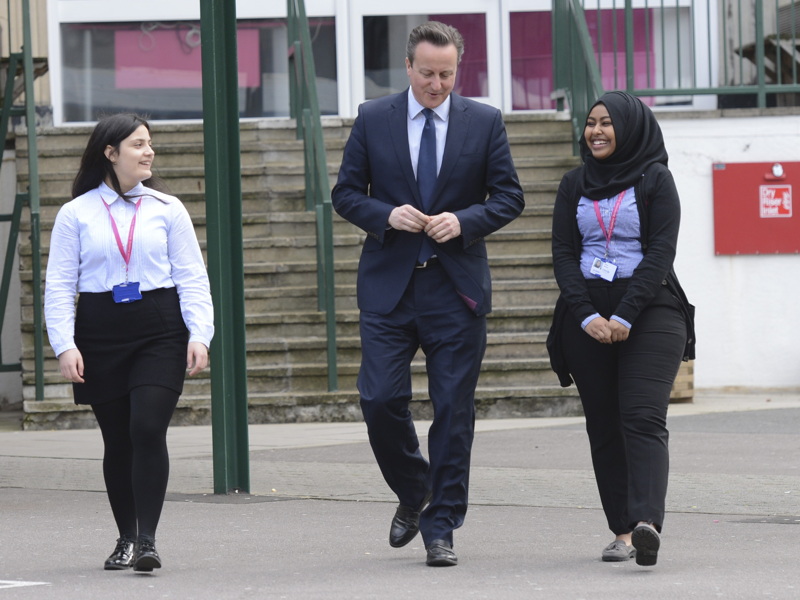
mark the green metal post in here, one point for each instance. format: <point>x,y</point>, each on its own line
<point>761,76</point>
<point>629,47</point>
<point>225,255</point>
<point>560,45</point>
<point>33,200</point>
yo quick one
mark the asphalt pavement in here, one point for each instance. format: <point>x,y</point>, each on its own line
<point>315,523</point>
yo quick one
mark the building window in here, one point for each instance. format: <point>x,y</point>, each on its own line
<point>654,65</point>
<point>385,39</point>
<point>531,61</point>
<point>154,68</point>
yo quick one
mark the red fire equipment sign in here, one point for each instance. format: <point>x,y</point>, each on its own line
<point>753,208</point>
<point>776,201</point>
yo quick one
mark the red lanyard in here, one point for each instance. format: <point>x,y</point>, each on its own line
<point>126,254</point>
<point>610,231</point>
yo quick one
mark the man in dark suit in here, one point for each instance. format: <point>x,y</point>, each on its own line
<point>427,175</point>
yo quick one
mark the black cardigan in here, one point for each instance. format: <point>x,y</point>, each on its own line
<point>659,215</point>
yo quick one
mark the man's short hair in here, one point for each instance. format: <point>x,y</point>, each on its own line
<point>435,33</point>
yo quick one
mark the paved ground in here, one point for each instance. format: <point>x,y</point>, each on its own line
<point>316,523</point>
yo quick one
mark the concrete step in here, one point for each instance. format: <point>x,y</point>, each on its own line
<point>539,199</point>
<point>282,407</point>
<point>255,201</point>
<point>264,226</point>
<point>313,377</point>
<point>503,319</point>
<point>66,161</point>
<point>543,168</point>
<point>302,351</point>
<point>272,300</point>
<point>266,131</point>
<point>303,273</point>
<point>258,175</point>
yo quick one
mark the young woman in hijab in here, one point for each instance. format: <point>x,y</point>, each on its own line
<point>622,323</point>
<point>144,316</point>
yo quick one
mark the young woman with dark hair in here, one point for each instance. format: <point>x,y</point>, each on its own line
<point>144,317</point>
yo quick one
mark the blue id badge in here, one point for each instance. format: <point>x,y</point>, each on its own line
<point>126,292</point>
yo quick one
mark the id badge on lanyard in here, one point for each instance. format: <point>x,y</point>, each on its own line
<point>603,267</point>
<point>129,290</point>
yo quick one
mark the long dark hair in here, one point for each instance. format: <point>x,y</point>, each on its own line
<point>96,167</point>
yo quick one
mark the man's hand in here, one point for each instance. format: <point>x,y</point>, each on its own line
<point>408,218</point>
<point>70,362</point>
<point>443,227</point>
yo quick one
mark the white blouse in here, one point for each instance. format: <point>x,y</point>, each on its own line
<point>84,257</point>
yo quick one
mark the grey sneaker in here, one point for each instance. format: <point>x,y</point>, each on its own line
<point>618,551</point>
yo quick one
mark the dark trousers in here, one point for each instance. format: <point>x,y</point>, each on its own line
<point>432,316</point>
<point>625,389</point>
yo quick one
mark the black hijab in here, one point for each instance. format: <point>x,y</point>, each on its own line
<point>639,145</point>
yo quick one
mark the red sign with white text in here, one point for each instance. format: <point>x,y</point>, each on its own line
<point>753,208</point>
<point>776,201</point>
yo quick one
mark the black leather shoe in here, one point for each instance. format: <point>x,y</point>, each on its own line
<point>146,558</point>
<point>122,557</point>
<point>647,542</point>
<point>405,524</point>
<point>440,554</point>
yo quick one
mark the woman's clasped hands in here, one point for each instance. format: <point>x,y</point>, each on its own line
<point>607,331</point>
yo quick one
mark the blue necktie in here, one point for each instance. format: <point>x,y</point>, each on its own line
<point>426,175</point>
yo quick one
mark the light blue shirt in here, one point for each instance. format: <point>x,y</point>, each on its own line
<point>624,248</point>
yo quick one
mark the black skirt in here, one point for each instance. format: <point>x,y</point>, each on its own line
<point>125,345</point>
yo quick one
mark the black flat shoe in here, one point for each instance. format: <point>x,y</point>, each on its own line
<point>146,558</point>
<point>440,554</point>
<point>405,524</point>
<point>122,557</point>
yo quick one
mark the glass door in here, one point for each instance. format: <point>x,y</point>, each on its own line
<point>377,38</point>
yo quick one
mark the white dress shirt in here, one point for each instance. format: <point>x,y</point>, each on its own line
<point>416,123</point>
<point>84,257</point>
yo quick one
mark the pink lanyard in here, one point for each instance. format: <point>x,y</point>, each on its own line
<point>610,231</point>
<point>126,254</point>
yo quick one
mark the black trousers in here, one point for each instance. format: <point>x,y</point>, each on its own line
<point>625,389</point>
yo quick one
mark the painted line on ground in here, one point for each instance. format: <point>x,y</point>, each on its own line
<point>4,585</point>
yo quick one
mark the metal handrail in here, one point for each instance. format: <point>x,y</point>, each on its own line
<point>22,63</point>
<point>773,55</point>
<point>305,111</point>
<point>576,74</point>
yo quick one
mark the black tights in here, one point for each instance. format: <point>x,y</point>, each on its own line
<point>136,461</point>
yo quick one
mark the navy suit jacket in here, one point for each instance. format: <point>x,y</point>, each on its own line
<point>477,182</point>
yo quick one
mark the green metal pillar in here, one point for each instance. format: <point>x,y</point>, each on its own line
<point>33,198</point>
<point>225,256</point>
<point>761,94</point>
<point>630,83</point>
